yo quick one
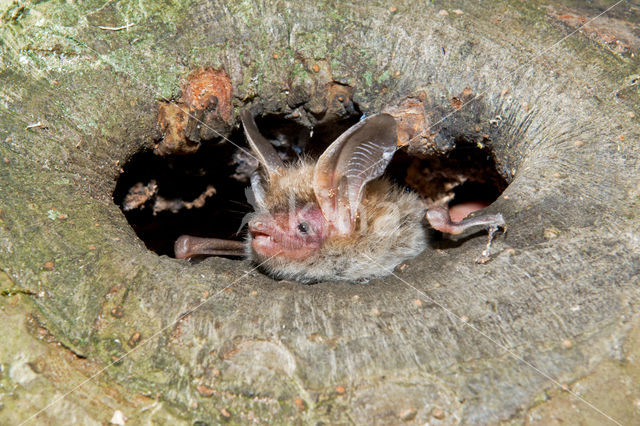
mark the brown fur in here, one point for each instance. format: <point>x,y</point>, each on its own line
<point>295,182</point>
<point>388,231</point>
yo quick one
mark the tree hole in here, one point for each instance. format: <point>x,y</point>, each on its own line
<point>203,193</point>
<point>466,174</point>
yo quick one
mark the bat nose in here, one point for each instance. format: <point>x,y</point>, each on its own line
<point>257,227</point>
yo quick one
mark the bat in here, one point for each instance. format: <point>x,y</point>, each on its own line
<point>336,218</point>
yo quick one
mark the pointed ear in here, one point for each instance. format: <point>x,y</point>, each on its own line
<point>260,146</point>
<point>359,155</point>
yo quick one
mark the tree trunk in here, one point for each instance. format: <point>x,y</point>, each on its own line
<point>547,329</point>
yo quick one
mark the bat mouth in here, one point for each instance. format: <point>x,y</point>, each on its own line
<point>261,238</point>
<point>264,245</point>
<point>260,230</point>
<point>257,234</point>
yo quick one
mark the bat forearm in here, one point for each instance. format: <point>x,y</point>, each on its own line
<point>440,220</point>
<point>187,246</point>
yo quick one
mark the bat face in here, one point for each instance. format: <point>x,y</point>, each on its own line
<point>295,235</point>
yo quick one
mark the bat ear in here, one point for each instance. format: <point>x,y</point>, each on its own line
<point>359,155</point>
<point>260,146</point>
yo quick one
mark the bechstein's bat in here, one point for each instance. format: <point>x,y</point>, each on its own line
<point>334,219</point>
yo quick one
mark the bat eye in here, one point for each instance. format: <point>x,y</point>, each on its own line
<point>303,228</point>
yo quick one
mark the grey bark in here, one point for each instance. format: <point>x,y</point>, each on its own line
<point>218,340</point>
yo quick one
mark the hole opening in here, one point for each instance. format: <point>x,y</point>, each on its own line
<point>203,194</point>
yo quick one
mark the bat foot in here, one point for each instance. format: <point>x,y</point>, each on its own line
<point>440,220</point>
<point>485,256</point>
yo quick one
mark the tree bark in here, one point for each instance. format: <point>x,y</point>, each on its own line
<point>547,329</point>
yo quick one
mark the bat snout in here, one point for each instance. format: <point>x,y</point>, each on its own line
<point>258,228</point>
<point>261,236</point>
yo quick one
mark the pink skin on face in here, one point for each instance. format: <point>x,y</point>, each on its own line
<point>294,236</point>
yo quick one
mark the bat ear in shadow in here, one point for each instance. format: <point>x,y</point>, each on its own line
<point>260,146</point>
<point>358,156</point>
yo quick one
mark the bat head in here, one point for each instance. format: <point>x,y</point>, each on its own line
<point>295,235</point>
<point>298,208</point>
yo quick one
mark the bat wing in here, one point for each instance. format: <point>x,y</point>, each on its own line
<point>359,155</point>
<point>266,153</point>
